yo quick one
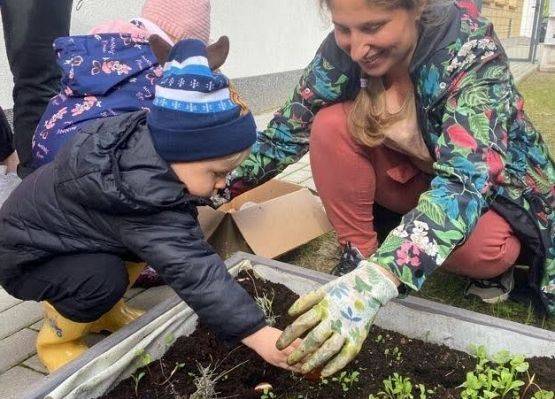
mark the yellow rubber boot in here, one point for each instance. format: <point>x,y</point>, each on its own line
<point>121,314</point>
<point>60,340</point>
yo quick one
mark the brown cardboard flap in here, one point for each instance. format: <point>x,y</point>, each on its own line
<point>260,194</point>
<point>281,224</point>
<point>209,220</point>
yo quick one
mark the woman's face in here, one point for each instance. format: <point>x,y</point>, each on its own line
<point>380,40</point>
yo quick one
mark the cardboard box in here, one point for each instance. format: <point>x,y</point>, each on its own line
<point>269,220</point>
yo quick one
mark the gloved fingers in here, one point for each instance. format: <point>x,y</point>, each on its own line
<point>339,362</point>
<point>311,343</point>
<point>298,328</point>
<point>324,353</point>
<point>305,302</point>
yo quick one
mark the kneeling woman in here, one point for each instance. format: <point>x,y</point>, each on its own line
<point>411,105</point>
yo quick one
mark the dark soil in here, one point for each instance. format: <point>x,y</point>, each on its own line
<point>437,367</point>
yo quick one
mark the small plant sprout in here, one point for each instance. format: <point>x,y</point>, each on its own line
<point>397,354</point>
<point>266,303</point>
<point>137,377</point>
<point>496,378</point>
<point>399,387</point>
<point>541,394</point>
<point>267,394</point>
<point>206,378</point>
<point>379,339</point>
<point>347,380</point>
<point>144,357</point>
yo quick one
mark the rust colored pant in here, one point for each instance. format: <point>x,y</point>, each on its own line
<point>350,178</point>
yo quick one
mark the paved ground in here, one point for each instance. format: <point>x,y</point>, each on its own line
<point>20,321</point>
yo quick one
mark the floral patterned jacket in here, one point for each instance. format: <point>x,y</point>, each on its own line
<point>102,75</point>
<point>487,153</point>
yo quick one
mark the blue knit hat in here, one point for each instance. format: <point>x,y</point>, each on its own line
<point>196,115</point>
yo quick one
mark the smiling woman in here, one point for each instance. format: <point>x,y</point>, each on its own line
<point>410,104</point>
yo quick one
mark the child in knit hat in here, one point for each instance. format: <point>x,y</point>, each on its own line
<point>123,191</point>
<point>113,70</point>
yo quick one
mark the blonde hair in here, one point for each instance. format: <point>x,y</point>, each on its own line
<point>369,116</point>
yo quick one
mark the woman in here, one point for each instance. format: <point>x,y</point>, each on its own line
<point>436,132</point>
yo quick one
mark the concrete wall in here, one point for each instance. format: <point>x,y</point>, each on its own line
<point>267,36</point>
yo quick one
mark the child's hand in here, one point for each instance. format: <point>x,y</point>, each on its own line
<point>264,341</point>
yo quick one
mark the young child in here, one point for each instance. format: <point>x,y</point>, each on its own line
<point>113,69</point>
<point>125,190</point>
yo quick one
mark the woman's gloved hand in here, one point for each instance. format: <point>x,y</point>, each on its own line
<point>340,314</point>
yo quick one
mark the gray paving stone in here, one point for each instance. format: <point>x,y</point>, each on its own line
<point>7,301</point>
<point>16,348</point>
<point>34,363</point>
<point>299,176</point>
<point>18,317</point>
<point>152,297</point>
<point>18,380</point>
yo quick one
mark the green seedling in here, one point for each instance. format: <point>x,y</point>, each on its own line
<point>499,377</point>
<point>267,394</point>
<point>347,380</point>
<point>379,339</point>
<point>399,387</point>
<point>136,379</point>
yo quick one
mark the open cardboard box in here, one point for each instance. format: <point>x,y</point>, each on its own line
<point>268,221</point>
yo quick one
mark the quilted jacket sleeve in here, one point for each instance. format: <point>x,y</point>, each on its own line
<point>173,244</point>
<point>471,154</point>
<point>328,79</point>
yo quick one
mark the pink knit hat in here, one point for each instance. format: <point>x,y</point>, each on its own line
<point>181,19</point>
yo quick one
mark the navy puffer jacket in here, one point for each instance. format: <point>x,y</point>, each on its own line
<point>108,191</point>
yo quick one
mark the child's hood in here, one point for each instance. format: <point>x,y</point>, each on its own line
<point>96,64</point>
<point>111,165</point>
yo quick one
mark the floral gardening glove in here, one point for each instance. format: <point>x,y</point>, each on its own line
<point>340,314</point>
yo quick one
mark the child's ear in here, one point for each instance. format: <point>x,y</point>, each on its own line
<point>217,52</point>
<point>160,48</point>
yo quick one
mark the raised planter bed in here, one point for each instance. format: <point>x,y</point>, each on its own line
<point>120,354</point>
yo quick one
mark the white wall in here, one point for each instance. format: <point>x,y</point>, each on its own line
<point>527,23</point>
<point>267,36</point>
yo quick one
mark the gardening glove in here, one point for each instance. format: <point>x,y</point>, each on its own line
<point>340,314</point>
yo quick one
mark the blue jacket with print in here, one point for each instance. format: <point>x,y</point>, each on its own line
<point>487,153</point>
<point>102,75</point>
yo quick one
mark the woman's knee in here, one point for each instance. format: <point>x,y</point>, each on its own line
<point>329,129</point>
<point>489,251</point>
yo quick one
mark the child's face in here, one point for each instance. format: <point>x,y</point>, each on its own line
<point>204,178</point>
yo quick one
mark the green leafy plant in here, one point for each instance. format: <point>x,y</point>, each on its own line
<point>346,379</point>
<point>541,394</point>
<point>495,378</point>
<point>399,387</point>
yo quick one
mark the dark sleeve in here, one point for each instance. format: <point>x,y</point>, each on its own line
<point>330,78</point>
<point>173,244</point>
<point>6,139</point>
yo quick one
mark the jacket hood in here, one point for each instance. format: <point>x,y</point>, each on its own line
<point>115,57</point>
<point>436,36</point>
<point>111,165</point>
